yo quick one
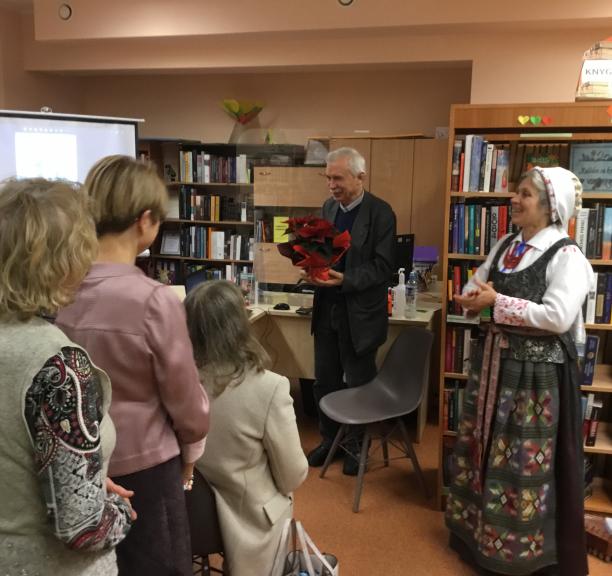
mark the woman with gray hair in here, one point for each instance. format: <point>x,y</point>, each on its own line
<point>253,458</point>
<point>516,497</point>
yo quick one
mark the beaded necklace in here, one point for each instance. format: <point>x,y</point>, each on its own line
<point>513,257</point>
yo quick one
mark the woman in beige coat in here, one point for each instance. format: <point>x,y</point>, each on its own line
<point>253,458</point>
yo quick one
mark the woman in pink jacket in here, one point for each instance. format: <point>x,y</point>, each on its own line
<point>135,329</point>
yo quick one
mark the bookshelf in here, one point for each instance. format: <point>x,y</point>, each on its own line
<point>566,125</point>
<point>210,225</point>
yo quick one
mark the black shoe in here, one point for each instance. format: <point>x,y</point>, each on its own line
<point>350,466</point>
<point>316,458</point>
<point>352,455</point>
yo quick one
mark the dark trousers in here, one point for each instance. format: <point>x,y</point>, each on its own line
<point>337,366</point>
<point>158,543</point>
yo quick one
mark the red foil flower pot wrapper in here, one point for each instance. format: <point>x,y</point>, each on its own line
<point>314,245</point>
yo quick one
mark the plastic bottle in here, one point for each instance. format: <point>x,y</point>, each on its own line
<point>399,295</point>
<point>411,295</point>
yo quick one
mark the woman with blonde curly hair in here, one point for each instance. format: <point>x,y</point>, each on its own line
<point>135,329</point>
<point>56,516</point>
<point>516,497</point>
<point>253,458</point>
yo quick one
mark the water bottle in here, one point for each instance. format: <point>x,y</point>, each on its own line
<point>411,295</point>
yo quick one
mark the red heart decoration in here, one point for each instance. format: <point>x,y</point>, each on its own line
<point>546,120</point>
<point>609,111</point>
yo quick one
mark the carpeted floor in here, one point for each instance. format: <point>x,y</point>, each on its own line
<point>397,531</point>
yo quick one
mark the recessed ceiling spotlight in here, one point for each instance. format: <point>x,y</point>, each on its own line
<point>345,2</point>
<point>65,11</point>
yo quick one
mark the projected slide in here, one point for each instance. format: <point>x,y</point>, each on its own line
<point>63,147</point>
<point>46,154</point>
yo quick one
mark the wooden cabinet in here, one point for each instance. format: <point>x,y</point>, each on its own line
<point>290,186</point>
<point>392,171</point>
<point>427,221</point>
<point>515,128</point>
<point>272,268</point>
<point>283,192</point>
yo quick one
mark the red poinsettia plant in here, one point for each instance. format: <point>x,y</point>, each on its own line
<point>314,245</point>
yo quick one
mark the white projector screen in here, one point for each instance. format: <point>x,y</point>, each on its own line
<point>55,146</point>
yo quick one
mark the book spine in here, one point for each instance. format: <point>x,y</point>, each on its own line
<point>590,359</point>
<point>475,163</point>
<point>591,233</point>
<point>606,248</point>
<point>461,170</point>
<point>494,225</point>
<point>456,165</point>
<point>591,438</point>
<point>582,220</point>
<point>477,225</point>
<point>599,226</point>
<point>486,185</point>
<point>483,165</point>
<point>470,227</point>
<point>467,163</point>
<point>607,300</point>
<point>589,316</point>
<point>600,297</point>
<point>586,418</point>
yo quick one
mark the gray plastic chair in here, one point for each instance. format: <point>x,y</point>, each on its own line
<point>203,524</point>
<point>396,391</point>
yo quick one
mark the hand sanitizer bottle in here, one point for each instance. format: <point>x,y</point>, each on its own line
<point>399,295</point>
<point>411,295</point>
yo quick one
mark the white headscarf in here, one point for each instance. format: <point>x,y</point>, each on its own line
<point>564,194</point>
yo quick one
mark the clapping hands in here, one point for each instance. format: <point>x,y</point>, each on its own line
<point>476,300</point>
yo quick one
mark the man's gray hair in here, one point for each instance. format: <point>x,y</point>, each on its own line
<point>356,162</point>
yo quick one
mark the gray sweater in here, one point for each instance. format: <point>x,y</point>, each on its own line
<point>29,541</point>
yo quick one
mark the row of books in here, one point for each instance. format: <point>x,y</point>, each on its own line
<point>169,272</point>
<point>475,228</point>
<point>458,276</point>
<point>457,351</point>
<point>591,228</point>
<point>212,244</point>
<point>481,166</point>
<point>241,275</point>
<point>598,306</point>
<point>193,205</point>
<point>452,407</point>
<point>200,167</point>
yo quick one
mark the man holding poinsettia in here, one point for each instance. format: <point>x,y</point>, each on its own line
<point>349,320</point>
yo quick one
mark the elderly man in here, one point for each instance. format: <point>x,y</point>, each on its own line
<point>349,319</point>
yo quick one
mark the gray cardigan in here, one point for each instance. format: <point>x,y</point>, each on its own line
<point>27,542</point>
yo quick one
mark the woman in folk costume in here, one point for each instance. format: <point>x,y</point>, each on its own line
<point>516,498</point>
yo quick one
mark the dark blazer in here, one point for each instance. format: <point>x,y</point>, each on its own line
<point>368,271</point>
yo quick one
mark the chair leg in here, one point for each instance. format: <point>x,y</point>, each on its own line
<point>332,450</point>
<point>385,446</point>
<point>362,466</point>
<point>413,456</point>
<point>202,565</point>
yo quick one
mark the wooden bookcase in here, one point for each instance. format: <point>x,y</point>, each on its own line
<point>232,187</point>
<point>535,124</point>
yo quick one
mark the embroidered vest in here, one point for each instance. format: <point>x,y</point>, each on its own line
<point>530,284</point>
